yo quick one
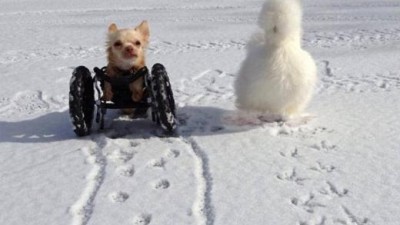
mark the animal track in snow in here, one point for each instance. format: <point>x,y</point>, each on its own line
<point>26,103</point>
<point>157,163</point>
<point>328,69</point>
<point>11,57</point>
<point>355,39</point>
<point>4,101</point>
<point>331,189</point>
<point>172,153</point>
<point>134,144</point>
<point>166,47</point>
<point>291,176</point>
<point>317,221</point>
<point>208,86</point>
<point>307,203</point>
<point>323,168</point>
<point>352,219</point>
<point>324,146</point>
<point>142,219</point>
<point>126,170</point>
<point>168,155</point>
<point>120,156</point>
<point>118,196</point>
<point>293,153</point>
<point>161,184</point>
<point>371,82</point>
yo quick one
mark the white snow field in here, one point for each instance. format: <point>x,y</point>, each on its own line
<point>340,168</point>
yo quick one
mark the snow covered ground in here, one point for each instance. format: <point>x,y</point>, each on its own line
<point>342,168</point>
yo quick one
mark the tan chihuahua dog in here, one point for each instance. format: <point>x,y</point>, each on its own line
<point>126,50</point>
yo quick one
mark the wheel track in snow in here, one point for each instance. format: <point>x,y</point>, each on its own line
<point>202,207</point>
<point>210,87</point>
<point>207,86</point>
<point>108,147</point>
<point>97,156</point>
<point>83,208</point>
<point>115,150</point>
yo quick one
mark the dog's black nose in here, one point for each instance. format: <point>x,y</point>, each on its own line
<point>129,49</point>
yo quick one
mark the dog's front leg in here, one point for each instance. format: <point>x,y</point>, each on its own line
<point>137,90</point>
<point>107,92</point>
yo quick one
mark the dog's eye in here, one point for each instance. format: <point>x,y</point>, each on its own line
<point>137,43</point>
<point>118,44</point>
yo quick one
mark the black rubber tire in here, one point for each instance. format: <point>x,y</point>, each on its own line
<point>81,101</point>
<point>163,103</point>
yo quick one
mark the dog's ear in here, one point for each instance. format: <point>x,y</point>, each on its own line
<point>112,28</point>
<point>143,28</point>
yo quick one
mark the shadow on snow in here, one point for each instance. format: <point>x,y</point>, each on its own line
<point>56,126</point>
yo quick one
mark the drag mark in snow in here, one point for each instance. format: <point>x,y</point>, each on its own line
<point>202,207</point>
<point>83,208</point>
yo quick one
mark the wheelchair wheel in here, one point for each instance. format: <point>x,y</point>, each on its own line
<point>163,103</point>
<point>81,101</point>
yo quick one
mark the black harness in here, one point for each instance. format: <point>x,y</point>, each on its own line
<point>120,84</point>
<point>126,77</point>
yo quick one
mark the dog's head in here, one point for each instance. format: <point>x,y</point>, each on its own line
<point>126,48</point>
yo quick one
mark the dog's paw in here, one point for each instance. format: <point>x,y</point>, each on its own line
<point>127,111</point>
<point>137,96</point>
<point>107,92</point>
<point>107,95</point>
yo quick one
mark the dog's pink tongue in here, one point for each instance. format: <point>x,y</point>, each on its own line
<point>130,55</point>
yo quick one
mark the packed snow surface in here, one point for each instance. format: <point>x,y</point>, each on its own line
<point>340,168</point>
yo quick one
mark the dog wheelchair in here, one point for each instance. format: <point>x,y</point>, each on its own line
<point>157,97</point>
